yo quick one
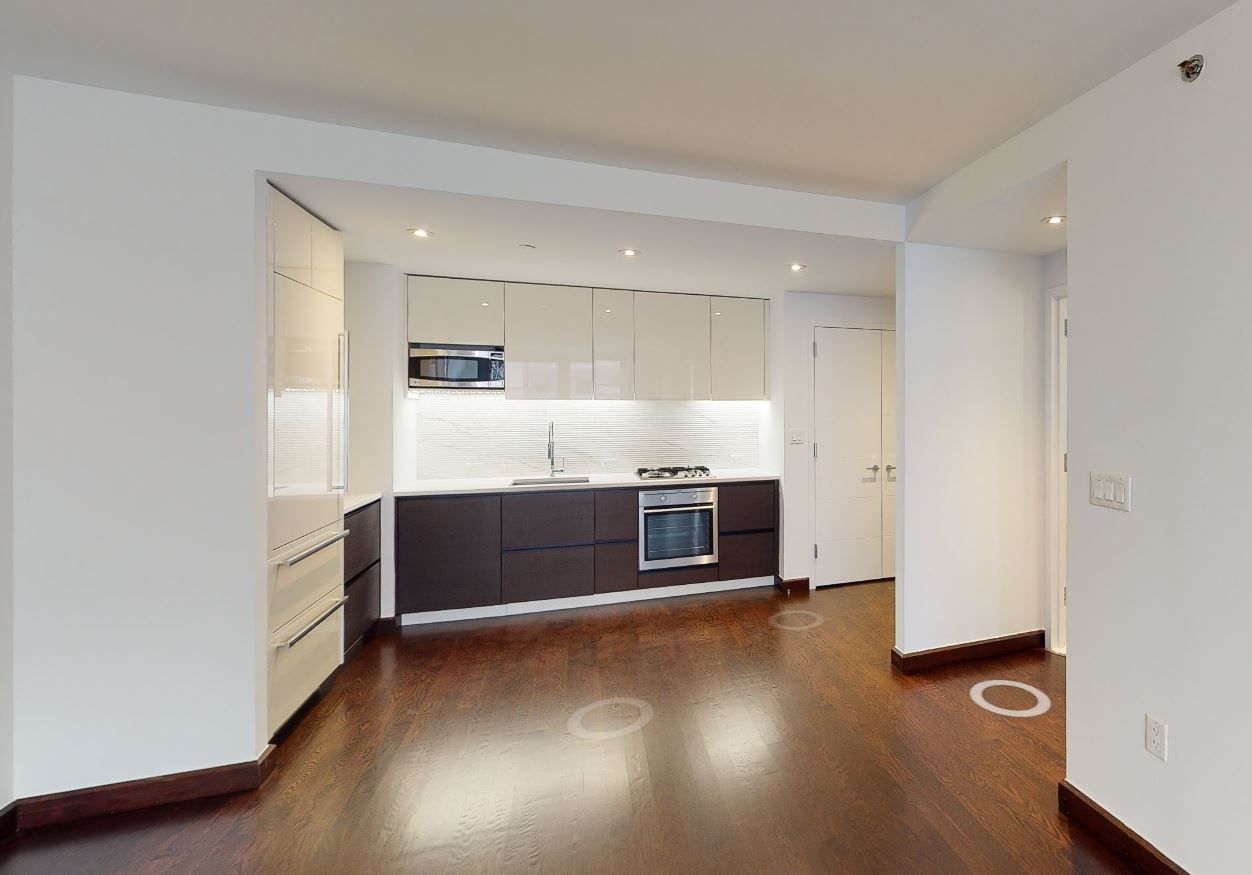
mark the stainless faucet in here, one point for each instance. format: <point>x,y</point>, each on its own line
<point>553,470</point>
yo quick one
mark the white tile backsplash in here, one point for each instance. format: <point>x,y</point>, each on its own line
<point>486,435</point>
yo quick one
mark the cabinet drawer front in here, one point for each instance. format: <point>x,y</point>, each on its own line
<point>744,507</point>
<point>362,548</point>
<point>296,672</point>
<point>293,588</point>
<point>529,575</point>
<point>617,566</point>
<point>548,519</point>
<point>617,515</point>
<point>363,605</point>
<point>677,576</point>
<point>447,553</point>
<point>751,555</point>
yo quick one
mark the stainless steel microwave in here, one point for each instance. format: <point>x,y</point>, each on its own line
<point>456,367</point>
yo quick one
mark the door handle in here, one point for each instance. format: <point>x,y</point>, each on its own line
<point>321,618</point>
<point>875,469</point>
<point>316,548</point>
<point>889,470</point>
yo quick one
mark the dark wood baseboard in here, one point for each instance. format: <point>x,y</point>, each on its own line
<point>923,660</point>
<point>8,821</point>
<point>796,585</point>
<point>37,811</point>
<point>1083,810</point>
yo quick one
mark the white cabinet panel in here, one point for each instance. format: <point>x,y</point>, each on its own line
<point>297,671</point>
<point>738,348</point>
<point>293,588</point>
<point>547,350</point>
<point>456,311</point>
<point>292,228</point>
<point>327,259</point>
<point>672,347</point>
<point>613,344</point>
<point>306,402</point>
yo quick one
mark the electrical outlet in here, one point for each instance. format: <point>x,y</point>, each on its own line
<point>1156,737</point>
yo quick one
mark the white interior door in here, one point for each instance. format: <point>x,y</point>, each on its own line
<point>890,472</point>
<point>848,472</point>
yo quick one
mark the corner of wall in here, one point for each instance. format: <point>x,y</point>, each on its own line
<point>7,755</point>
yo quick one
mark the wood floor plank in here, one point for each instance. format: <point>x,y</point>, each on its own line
<point>446,749</point>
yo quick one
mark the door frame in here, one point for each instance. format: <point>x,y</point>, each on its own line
<point>812,432</point>
<point>1056,477</point>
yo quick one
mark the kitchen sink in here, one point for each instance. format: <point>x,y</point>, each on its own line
<point>540,481</point>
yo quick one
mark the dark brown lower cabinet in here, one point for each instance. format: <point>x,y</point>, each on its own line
<point>617,566</point>
<point>678,576</point>
<point>751,555</point>
<point>447,553</point>
<point>362,608</point>
<point>560,572</point>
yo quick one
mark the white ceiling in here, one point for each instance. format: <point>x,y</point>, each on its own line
<point>868,99</point>
<point>479,237</point>
<point>1012,221</point>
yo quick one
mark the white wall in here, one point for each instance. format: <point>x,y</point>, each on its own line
<point>970,372</point>
<point>374,302</point>
<point>1158,277</point>
<point>136,238</point>
<point>801,313</point>
<point>6,440</point>
<point>1055,269</point>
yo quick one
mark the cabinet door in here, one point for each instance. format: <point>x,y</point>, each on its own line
<point>306,403</point>
<point>456,311</point>
<point>547,519</point>
<point>292,228</point>
<point>547,351</point>
<point>530,575</point>
<point>738,348</point>
<point>447,553</point>
<point>671,347</point>
<point>613,321</point>
<point>327,259</point>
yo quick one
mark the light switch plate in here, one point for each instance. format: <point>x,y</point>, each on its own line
<point>796,436</point>
<point>1110,490</point>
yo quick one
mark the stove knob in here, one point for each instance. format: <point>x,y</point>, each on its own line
<point>662,498</point>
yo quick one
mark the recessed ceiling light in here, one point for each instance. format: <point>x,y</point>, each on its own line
<point>608,311</point>
<point>796,267</point>
<point>629,253</point>
<point>1054,220</point>
<point>421,233</point>
<point>717,312</point>
<point>526,245</point>
<point>484,304</point>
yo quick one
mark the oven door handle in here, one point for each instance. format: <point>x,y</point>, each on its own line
<point>679,507</point>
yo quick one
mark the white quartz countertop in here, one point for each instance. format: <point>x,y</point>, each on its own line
<point>358,500</point>
<point>471,485</point>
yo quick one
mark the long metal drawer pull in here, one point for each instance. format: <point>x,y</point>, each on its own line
<point>305,554</point>
<point>676,508</point>
<point>321,618</point>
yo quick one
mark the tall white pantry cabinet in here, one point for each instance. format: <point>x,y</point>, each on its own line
<point>307,393</point>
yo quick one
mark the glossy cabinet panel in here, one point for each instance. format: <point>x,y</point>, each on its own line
<point>547,332</point>
<point>613,344</point>
<point>456,311</point>
<point>327,259</point>
<point>672,347</point>
<point>297,671</point>
<point>292,232</point>
<point>737,327</point>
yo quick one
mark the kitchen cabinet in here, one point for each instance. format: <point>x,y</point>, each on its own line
<point>447,552</point>
<point>547,333</point>
<point>737,337</point>
<point>363,546</point>
<point>672,347</point>
<point>563,572</point>
<point>613,344</point>
<point>301,656</point>
<point>617,566</point>
<point>460,312</point>
<point>547,519</point>
<point>746,507</point>
<point>362,609</point>
<point>291,230</point>
<point>617,515</point>
<point>327,259</point>
<point>740,557</point>
<point>362,571</point>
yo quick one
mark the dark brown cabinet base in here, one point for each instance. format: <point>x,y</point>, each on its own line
<point>678,576</point>
<point>530,575</point>
<point>617,566</point>
<point>447,553</point>
<point>361,611</point>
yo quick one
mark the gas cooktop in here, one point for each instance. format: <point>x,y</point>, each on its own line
<point>672,472</point>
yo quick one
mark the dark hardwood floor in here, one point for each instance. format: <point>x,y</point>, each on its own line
<point>446,749</point>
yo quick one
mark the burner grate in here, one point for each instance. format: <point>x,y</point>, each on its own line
<point>672,472</point>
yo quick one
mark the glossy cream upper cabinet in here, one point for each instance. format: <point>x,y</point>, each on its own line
<point>547,334</point>
<point>672,347</point>
<point>738,348</point>
<point>456,311</point>
<point>292,230</point>
<point>327,259</point>
<point>613,343</point>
